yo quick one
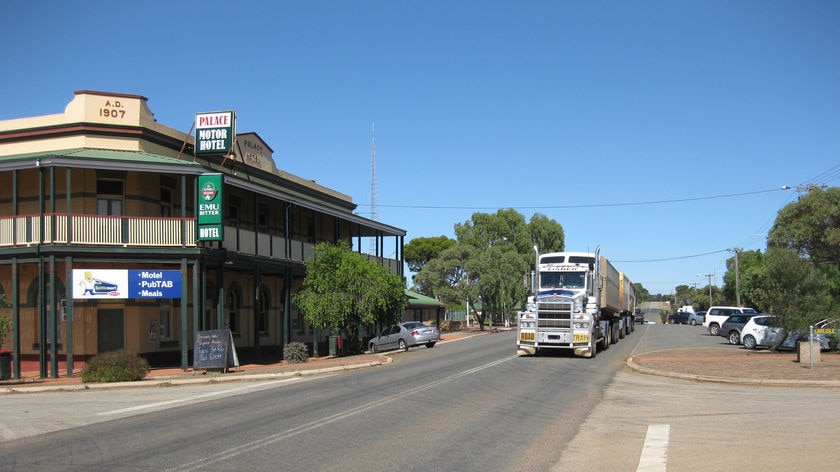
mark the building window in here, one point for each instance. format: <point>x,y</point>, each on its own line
<point>109,197</point>
<point>262,218</point>
<point>232,306</point>
<point>164,324</point>
<point>165,202</point>
<point>232,214</point>
<point>263,306</point>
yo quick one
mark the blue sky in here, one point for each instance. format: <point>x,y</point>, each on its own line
<point>661,131</point>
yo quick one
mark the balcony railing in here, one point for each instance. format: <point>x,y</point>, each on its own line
<point>123,231</point>
<point>96,230</point>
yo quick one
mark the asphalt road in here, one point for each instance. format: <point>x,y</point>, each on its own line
<point>468,404</point>
<point>465,405</point>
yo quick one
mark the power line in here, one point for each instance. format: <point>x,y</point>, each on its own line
<point>591,205</point>
<point>676,258</point>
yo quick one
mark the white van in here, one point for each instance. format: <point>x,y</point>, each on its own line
<point>716,315</point>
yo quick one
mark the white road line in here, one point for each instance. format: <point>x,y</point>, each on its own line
<point>655,451</point>
<point>192,398</point>
<point>238,449</point>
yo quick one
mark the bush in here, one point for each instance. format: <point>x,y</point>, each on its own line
<point>295,352</point>
<point>116,366</point>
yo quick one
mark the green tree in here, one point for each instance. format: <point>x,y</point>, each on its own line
<point>490,264</point>
<point>748,262</point>
<point>346,291</point>
<point>790,287</point>
<point>5,321</point>
<point>810,226</point>
<point>546,234</point>
<point>419,251</point>
<point>642,294</point>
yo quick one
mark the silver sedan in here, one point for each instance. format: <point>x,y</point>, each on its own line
<point>405,335</point>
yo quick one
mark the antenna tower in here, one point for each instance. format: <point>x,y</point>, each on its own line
<point>374,210</point>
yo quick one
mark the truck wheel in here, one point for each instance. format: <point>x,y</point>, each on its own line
<point>594,350</point>
<point>616,335</point>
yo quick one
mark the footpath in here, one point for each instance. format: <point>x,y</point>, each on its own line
<point>728,364</point>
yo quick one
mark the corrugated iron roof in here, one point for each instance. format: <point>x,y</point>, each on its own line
<point>415,299</point>
<point>110,155</point>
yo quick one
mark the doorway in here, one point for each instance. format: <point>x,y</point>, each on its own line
<point>110,332</point>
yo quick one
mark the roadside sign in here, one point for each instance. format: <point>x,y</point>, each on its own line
<point>826,330</point>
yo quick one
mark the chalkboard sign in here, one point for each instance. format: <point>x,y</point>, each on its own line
<point>214,349</point>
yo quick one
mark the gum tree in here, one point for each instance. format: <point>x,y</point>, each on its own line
<point>345,291</point>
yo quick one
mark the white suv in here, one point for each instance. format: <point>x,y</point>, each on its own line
<point>716,315</point>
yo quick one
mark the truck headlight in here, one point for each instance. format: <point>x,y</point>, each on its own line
<point>582,325</point>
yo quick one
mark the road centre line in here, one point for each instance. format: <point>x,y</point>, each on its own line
<point>262,442</point>
<point>655,450</point>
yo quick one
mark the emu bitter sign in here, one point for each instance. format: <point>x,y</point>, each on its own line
<point>210,215</point>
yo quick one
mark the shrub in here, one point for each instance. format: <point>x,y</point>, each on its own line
<point>295,352</point>
<point>118,366</point>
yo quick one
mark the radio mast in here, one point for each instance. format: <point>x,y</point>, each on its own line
<point>374,210</point>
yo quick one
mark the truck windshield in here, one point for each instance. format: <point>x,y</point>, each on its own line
<point>561,280</point>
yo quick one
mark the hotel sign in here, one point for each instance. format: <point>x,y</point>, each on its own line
<point>210,207</point>
<point>214,132</point>
<point>114,283</point>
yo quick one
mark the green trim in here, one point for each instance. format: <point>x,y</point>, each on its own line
<point>417,299</point>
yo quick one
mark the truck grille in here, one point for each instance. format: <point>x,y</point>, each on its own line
<point>554,315</point>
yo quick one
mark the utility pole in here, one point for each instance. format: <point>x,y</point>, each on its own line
<point>737,251</point>
<point>710,287</point>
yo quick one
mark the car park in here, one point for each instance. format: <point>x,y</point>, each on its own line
<point>766,330</point>
<point>731,328</point>
<point>718,314</point>
<point>405,335</point>
<point>762,331</point>
<point>680,317</point>
<point>695,319</point>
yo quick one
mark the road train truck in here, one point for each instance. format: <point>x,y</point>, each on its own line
<point>580,302</point>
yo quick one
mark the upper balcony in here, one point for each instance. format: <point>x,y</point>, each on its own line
<point>122,231</point>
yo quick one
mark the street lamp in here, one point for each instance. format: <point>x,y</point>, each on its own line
<point>710,286</point>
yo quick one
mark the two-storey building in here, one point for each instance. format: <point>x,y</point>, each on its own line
<point>100,247</point>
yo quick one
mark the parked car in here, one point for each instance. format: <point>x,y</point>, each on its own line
<point>680,317</point>
<point>765,331</point>
<point>695,319</point>
<point>731,328</point>
<point>718,314</point>
<point>639,316</point>
<point>405,335</point>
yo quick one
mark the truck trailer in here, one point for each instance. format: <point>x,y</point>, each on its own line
<point>580,303</point>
